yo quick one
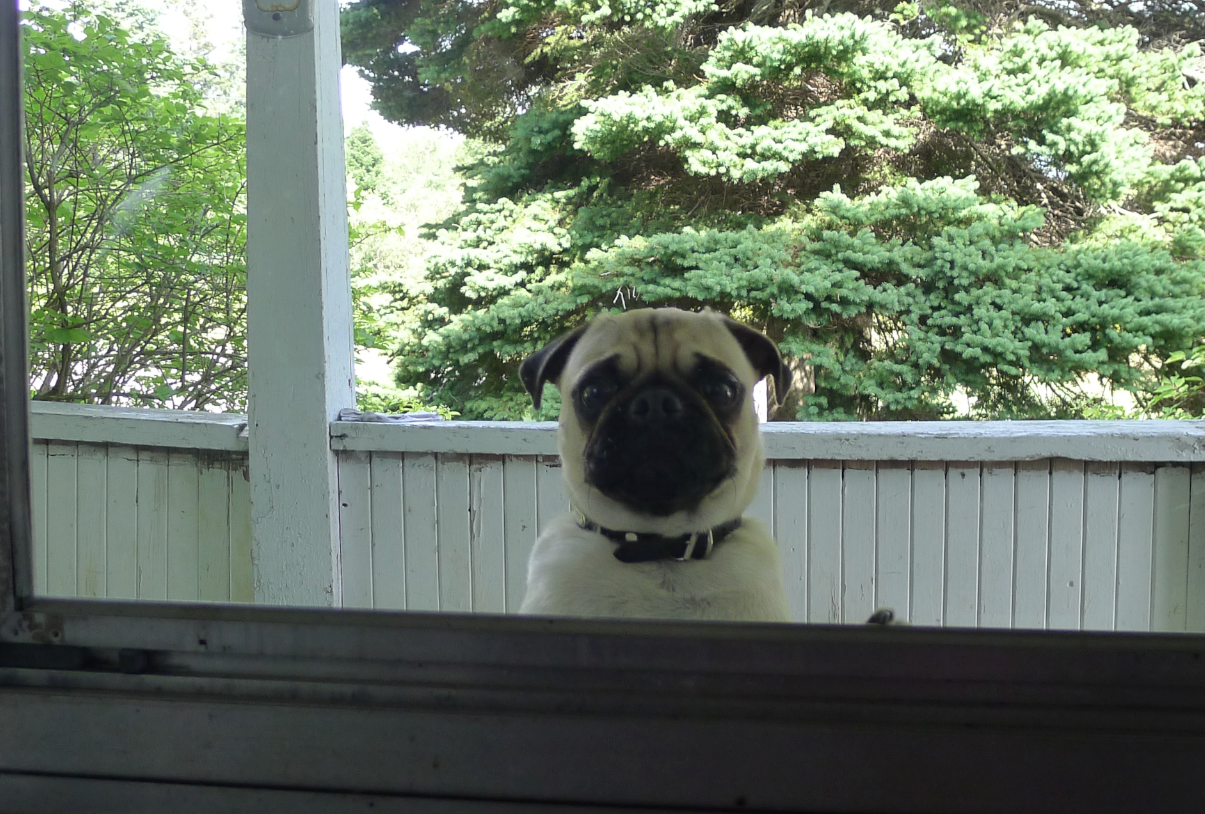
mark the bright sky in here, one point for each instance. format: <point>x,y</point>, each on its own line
<point>225,27</point>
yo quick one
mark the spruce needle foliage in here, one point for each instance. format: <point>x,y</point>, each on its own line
<point>922,203</point>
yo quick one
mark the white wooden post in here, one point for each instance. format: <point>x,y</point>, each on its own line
<point>299,329</point>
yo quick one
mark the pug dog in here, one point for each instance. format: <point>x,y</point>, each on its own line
<point>661,454</point>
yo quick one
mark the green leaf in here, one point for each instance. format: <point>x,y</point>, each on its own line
<point>67,336</point>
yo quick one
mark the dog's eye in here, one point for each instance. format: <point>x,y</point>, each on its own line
<point>721,392</point>
<point>594,396</point>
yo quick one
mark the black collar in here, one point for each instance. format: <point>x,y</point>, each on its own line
<point>642,547</point>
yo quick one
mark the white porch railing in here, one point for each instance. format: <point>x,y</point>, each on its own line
<point>1075,525</point>
<point>140,504</point>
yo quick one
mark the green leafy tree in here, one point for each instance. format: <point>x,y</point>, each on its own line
<point>136,220</point>
<point>1181,391</point>
<point>416,183</point>
<point>918,202</point>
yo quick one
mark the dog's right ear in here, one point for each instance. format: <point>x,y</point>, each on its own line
<point>546,364</point>
<point>762,354</point>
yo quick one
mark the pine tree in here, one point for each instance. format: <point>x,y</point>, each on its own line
<point>365,161</point>
<point>915,202</point>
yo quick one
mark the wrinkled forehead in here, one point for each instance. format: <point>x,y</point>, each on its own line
<point>662,339</point>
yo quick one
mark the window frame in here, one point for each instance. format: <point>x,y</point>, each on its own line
<point>15,517</point>
<point>126,704</point>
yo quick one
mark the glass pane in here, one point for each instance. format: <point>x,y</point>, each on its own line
<point>932,261</point>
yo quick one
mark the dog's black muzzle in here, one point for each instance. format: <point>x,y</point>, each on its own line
<point>659,448</point>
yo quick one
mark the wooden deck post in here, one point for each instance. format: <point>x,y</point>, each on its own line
<point>299,329</point>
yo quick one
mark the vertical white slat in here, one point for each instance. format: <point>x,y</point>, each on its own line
<point>121,523</point>
<point>182,562</point>
<point>61,519</point>
<point>1033,544</point>
<point>213,531</point>
<point>37,482</point>
<point>1135,526</point>
<point>1066,544</point>
<point>455,550</point>
<point>791,532</point>
<point>388,533</point>
<point>962,545</point>
<point>996,545</point>
<point>1100,545</point>
<point>893,524</point>
<point>928,576</point>
<point>552,500</point>
<point>824,542</point>
<point>857,542</point>
<point>242,569</point>
<point>152,524</point>
<point>357,500</point>
<point>91,505</point>
<point>487,533</point>
<point>421,535</point>
<point>1169,584</point>
<point>1196,551</point>
<point>519,520</point>
<point>762,507</point>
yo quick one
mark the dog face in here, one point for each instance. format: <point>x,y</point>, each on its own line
<point>657,427</point>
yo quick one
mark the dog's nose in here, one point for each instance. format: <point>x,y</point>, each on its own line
<point>655,405</point>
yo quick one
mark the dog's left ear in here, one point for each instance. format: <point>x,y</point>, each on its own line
<point>762,354</point>
<point>546,364</point>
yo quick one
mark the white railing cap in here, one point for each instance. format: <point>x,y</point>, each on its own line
<point>137,426</point>
<point>1123,441</point>
<point>1135,441</point>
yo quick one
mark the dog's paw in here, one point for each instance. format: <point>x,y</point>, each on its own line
<point>884,616</point>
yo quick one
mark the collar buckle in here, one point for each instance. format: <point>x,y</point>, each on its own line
<point>693,541</point>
